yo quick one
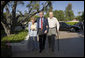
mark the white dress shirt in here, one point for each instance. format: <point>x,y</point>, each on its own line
<point>53,22</point>
<point>40,22</point>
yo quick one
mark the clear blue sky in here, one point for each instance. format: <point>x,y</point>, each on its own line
<point>77,6</point>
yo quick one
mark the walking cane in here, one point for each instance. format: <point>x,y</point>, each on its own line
<point>58,39</point>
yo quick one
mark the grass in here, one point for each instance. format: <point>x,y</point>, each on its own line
<point>71,23</point>
<point>15,37</point>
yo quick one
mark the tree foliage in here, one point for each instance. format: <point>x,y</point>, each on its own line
<point>80,17</point>
<point>69,15</point>
<point>59,14</point>
<point>10,20</point>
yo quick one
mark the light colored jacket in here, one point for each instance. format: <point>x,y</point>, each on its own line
<point>31,32</point>
<point>53,22</point>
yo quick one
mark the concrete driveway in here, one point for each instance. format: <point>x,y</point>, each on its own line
<point>70,45</point>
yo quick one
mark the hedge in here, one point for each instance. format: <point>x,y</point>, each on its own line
<point>71,23</point>
<point>15,37</point>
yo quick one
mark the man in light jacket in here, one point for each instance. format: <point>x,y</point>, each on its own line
<point>53,29</point>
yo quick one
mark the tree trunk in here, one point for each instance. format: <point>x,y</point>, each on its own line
<point>6,28</point>
<point>14,21</point>
<point>3,20</point>
<point>3,3</point>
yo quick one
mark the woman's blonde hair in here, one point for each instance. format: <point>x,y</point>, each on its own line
<point>32,18</point>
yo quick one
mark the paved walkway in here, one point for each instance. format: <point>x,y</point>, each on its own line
<point>70,45</point>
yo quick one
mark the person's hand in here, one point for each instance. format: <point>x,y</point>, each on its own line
<point>46,26</point>
<point>45,31</point>
<point>33,29</point>
<point>57,31</point>
<point>56,34</point>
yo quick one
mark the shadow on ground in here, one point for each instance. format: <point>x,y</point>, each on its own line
<point>68,47</point>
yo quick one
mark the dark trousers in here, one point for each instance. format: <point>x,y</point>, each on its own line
<point>33,40</point>
<point>51,41</point>
<point>42,39</point>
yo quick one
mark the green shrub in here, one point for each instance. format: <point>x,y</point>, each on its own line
<point>71,23</point>
<point>15,37</point>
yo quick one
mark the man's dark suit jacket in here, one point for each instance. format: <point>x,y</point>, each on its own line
<point>45,23</point>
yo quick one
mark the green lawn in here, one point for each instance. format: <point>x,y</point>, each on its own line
<point>71,23</point>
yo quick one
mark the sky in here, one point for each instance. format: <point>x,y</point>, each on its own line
<point>77,6</point>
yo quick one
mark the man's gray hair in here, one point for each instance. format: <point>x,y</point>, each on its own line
<point>41,12</point>
<point>50,12</point>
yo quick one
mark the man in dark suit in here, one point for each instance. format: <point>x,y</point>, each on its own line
<point>42,29</point>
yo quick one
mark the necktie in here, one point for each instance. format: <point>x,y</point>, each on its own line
<point>41,24</point>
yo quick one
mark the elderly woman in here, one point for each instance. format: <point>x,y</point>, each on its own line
<point>32,27</point>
